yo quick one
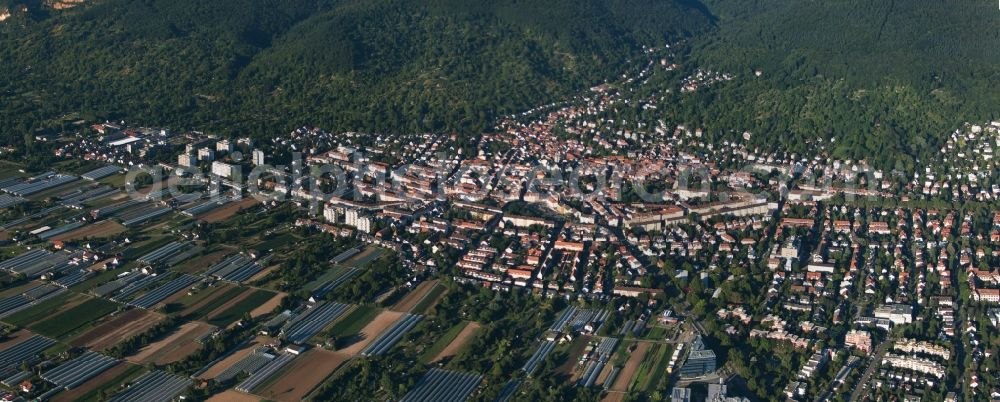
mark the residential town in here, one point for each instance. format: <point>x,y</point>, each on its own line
<point>631,258</point>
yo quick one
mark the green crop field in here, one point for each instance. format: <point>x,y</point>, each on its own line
<point>39,311</point>
<point>70,321</point>
<point>217,302</point>
<point>425,303</point>
<point>443,341</point>
<point>355,320</point>
<point>235,312</point>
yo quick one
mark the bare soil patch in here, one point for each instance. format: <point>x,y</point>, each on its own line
<point>459,342</point>
<point>381,322</point>
<point>117,329</point>
<point>229,361</point>
<point>304,374</point>
<point>214,292</point>
<point>631,366</point>
<point>408,302</point>
<point>231,395</point>
<point>226,211</point>
<point>93,383</point>
<point>268,306</point>
<point>100,229</point>
<point>174,347</point>
<point>15,338</point>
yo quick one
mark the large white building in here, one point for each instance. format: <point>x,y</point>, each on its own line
<point>186,160</point>
<point>224,146</point>
<point>226,170</point>
<point>258,157</point>
<point>897,313</point>
<point>358,219</point>
<point>206,154</point>
<point>331,214</point>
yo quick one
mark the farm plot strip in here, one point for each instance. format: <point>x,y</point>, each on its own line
<point>75,372</point>
<point>60,230</point>
<point>34,296</point>
<point>443,386</point>
<point>508,391</point>
<point>75,318</point>
<point>328,286</point>
<point>154,386</point>
<point>387,339</point>
<point>536,359</point>
<point>101,172</point>
<point>596,364</point>
<point>307,325</point>
<point>12,357</point>
<point>264,373</point>
<point>563,319</point>
<point>250,365</point>
<point>236,268</point>
<point>143,215</point>
<point>163,253</point>
<point>135,287</point>
<point>157,295</point>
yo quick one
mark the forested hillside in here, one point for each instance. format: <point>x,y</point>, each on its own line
<point>884,78</point>
<point>255,66</point>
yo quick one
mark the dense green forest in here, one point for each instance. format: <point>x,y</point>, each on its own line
<point>881,77</point>
<point>887,79</point>
<point>255,66</point>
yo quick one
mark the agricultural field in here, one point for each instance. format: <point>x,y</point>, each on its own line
<point>18,289</point>
<point>355,342</point>
<point>201,262</point>
<point>104,380</point>
<point>653,367</point>
<point>227,211</point>
<point>231,395</point>
<point>235,308</point>
<point>203,301</point>
<point>115,329</point>
<point>101,229</point>
<point>365,257</point>
<point>14,338</point>
<point>417,296</point>
<point>245,350</point>
<point>73,320</point>
<point>175,346</point>
<point>573,352</point>
<point>352,323</point>
<point>455,342</point>
<point>268,306</point>
<point>45,309</point>
<point>304,374</point>
<point>631,366</point>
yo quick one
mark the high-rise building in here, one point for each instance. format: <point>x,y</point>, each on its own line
<point>331,213</point>
<point>258,157</point>
<point>224,146</point>
<point>680,395</point>
<point>206,154</point>
<point>226,170</point>
<point>358,219</point>
<point>700,361</point>
<point>186,160</point>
